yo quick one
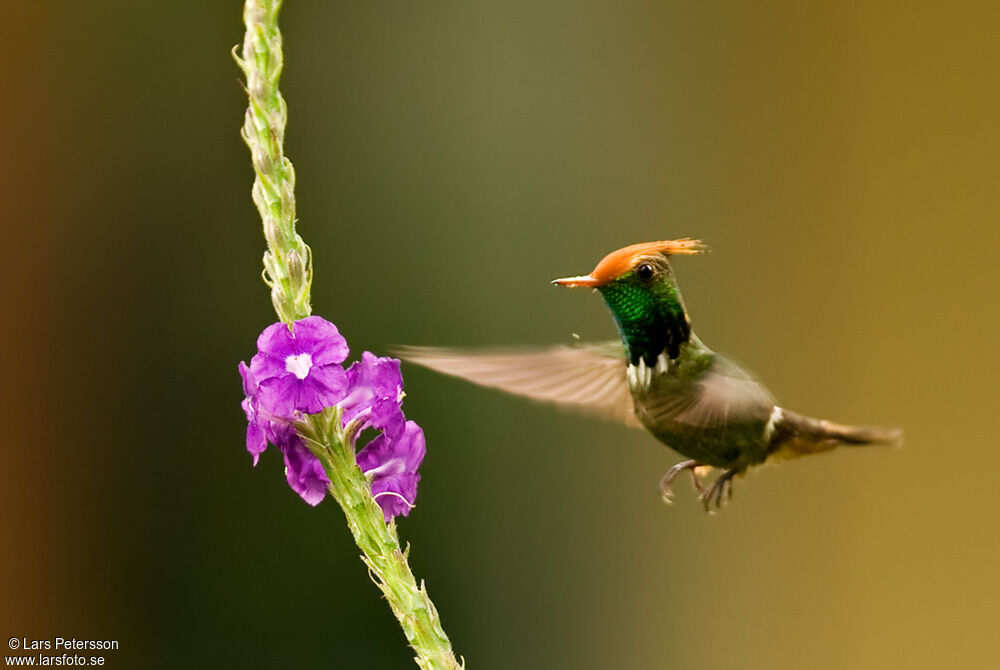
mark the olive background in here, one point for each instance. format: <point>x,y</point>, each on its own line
<point>841,159</point>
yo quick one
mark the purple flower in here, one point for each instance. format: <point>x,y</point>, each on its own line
<point>392,465</point>
<point>303,471</point>
<point>299,369</point>
<point>262,426</point>
<point>256,440</point>
<point>374,387</point>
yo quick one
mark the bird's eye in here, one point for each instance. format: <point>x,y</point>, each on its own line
<point>644,272</point>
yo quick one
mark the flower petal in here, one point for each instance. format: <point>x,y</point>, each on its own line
<point>249,410</point>
<point>412,446</point>
<point>249,383</point>
<point>320,339</point>
<point>276,341</point>
<point>367,380</point>
<point>378,458</point>
<point>256,441</point>
<point>386,378</point>
<point>396,495</point>
<point>277,432</point>
<point>383,457</point>
<point>358,397</point>
<point>387,416</point>
<point>265,366</point>
<point>304,472</point>
<point>279,395</point>
<point>326,386</point>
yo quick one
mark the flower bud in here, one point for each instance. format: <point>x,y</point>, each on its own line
<point>271,269</point>
<point>272,231</point>
<point>256,85</point>
<point>296,268</point>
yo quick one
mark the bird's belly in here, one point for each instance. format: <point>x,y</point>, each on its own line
<point>729,446</point>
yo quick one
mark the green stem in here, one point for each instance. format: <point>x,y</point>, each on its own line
<point>288,261</point>
<point>379,542</point>
<point>288,271</point>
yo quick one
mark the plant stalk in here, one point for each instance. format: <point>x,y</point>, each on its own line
<point>379,543</point>
<point>287,261</point>
<point>288,271</point>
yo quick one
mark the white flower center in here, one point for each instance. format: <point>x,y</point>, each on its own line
<point>299,365</point>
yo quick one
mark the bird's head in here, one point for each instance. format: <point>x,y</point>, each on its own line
<point>642,264</point>
<point>638,285</point>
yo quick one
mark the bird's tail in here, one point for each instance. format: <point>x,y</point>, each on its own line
<point>801,435</point>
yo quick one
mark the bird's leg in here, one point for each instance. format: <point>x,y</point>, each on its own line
<point>666,484</point>
<point>721,489</point>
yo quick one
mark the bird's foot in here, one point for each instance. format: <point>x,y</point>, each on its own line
<point>666,484</point>
<point>720,491</point>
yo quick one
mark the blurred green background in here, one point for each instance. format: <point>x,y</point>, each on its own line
<point>841,159</point>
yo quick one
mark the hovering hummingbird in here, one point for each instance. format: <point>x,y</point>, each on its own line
<point>659,376</point>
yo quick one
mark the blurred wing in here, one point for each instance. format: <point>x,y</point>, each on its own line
<point>724,395</point>
<point>589,378</point>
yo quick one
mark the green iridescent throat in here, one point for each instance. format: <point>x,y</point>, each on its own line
<point>651,318</point>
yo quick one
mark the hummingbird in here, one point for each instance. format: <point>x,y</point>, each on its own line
<point>659,376</point>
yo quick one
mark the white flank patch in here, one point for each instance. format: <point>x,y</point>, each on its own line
<point>640,375</point>
<point>299,365</point>
<point>772,422</point>
<point>662,363</point>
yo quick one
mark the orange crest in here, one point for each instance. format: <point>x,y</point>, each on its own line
<point>619,262</point>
